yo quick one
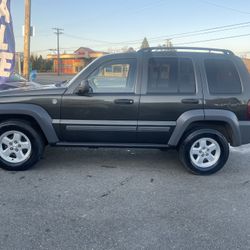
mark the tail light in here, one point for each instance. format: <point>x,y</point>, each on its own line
<point>248,110</point>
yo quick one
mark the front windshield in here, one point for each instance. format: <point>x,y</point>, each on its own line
<point>67,84</point>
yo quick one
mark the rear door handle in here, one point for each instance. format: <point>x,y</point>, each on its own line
<point>190,101</point>
<point>124,101</point>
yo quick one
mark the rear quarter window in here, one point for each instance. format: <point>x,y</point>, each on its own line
<point>222,77</point>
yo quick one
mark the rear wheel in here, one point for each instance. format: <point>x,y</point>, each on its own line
<point>20,146</point>
<point>204,151</point>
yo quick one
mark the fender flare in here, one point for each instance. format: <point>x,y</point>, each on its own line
<point>40,115</point>
<point>191,116</point>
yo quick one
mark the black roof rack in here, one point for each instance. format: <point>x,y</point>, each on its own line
<point>171,49</point>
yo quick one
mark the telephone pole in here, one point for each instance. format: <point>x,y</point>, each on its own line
<point>26,66</point>
<point>58,32</point>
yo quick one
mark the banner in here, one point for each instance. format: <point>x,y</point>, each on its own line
<point>7,42</point>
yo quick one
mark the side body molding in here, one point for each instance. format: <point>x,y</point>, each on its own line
<point>39,114</point>
<point>206,115</point>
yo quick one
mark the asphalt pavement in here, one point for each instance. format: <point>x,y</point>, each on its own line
<point>124,199</point>
<point>51,78</point>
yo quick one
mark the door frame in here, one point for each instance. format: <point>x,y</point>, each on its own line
<point>106,125</point>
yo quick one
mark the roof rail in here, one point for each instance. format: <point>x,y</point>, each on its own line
<point>171,49</point>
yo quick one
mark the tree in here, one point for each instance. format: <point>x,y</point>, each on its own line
<point>40,64</point>
<point>145,43</point>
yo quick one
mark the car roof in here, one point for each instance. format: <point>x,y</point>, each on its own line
<point>187,49</point>
<point>173,51</point>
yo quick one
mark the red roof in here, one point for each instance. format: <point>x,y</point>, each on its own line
<point>83,50</point>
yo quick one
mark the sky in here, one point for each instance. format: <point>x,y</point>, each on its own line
<point>115,24</point>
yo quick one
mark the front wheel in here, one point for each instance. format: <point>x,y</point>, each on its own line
<point>20,146</point>
<point>204,151</point>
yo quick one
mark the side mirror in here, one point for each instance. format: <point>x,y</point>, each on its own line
<point>83,88</point>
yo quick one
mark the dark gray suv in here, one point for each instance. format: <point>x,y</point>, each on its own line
<point>193,99</point>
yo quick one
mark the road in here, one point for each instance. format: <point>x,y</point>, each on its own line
<point>124,199</point>
<point>49,78</point>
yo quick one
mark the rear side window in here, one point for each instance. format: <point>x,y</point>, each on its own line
<point>171,76</point>
<point>222,77</point>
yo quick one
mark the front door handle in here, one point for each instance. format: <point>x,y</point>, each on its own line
<point>190,101</point>
<point>124,101</point>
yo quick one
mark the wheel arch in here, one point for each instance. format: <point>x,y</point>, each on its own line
<point>34,114</point>
<point>223,121</point>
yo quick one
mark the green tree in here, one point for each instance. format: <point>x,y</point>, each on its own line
<point>40,64</point>
<point>145,43</point>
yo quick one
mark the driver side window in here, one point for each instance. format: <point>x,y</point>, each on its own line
<point>117,76</point>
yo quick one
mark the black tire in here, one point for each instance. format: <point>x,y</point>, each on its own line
<point>188,142</point>
<point>37,145</point>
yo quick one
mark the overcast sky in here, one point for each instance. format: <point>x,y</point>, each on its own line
<point>117,23</point>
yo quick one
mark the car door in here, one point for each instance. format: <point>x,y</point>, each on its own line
<point>171,86</point>
<point>109,113</point>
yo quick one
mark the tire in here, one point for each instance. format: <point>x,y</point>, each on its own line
<point>21,146</point>
<point>204,152</point>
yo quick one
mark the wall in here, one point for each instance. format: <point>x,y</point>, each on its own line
<point>247,63</point>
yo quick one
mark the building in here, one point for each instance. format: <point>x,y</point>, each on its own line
<point>75,62</point>
<point>247,63</point>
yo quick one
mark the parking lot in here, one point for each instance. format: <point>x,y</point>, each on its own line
<point>78,198</point>
<point>124,199</point>
<point>50,78</point>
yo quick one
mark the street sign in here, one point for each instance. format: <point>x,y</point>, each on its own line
<point>32,31</point>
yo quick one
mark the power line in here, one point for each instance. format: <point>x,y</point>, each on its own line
<point>218,28</point>
<point>44,50</point>
<point>84,38</point>
<point>211,40</point>
<point>185,43</point>
<point>226,7</point>
<point>177,44</point>
<point>173,36</point>
<point>209,32</point>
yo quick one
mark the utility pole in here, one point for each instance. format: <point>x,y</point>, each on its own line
<point>58,33</point>
<point>26,63</point>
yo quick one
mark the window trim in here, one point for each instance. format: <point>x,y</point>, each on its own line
<point>118,61</point>
<point>206,78</point>
<point>176,93</point>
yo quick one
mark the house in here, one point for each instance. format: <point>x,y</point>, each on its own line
<point>247,63</point>
<point>75,62</point>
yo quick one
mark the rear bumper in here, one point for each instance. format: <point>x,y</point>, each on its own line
<point>244,127</point>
